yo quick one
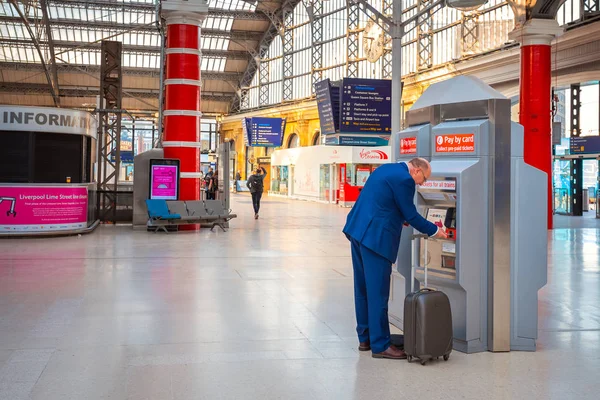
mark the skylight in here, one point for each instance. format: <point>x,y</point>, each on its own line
<point>231,5</point>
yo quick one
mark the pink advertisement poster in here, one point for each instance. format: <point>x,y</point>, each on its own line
<point>42,208</point>
<point>164,182</point>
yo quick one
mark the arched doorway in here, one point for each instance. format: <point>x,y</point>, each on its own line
<point>316,140</point>
<point>293,141</point>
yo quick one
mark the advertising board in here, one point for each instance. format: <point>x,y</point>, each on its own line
<point>42,208</point>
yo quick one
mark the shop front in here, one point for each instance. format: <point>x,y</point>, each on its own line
<point>354,175</point>
<point>328,174</point>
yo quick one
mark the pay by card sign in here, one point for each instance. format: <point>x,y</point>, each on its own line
<point>408,145</point>
<point>455,143</point>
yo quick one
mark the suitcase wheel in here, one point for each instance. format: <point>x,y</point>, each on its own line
<point>446,357</point>
<point>423,362</point>
<point>409,359</point>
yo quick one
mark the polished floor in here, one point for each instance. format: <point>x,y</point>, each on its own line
<point>263,311</point>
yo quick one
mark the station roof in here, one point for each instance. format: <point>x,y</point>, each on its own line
<point>31,30</point>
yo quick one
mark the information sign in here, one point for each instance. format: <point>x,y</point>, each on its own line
<point>266,132</point>
<point>455,143</point>
<point>325,106</point>
<point>585,145</point>
<point>366,106</point>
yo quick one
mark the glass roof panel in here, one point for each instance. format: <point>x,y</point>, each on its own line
<point>213,64</point>
<point>213,43</point>
<point>232,5</point>
<point>98,22</point>
<point>220,23</point>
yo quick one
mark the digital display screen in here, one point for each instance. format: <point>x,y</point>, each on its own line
<point>437,216</point>
<point>164,179</point>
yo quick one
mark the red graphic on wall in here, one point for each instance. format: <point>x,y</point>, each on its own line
<point>373,155</point>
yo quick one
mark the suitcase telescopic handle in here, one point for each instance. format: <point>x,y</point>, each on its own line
<point>416,257</point>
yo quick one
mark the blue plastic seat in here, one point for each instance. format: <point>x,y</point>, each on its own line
<point>157,209</point>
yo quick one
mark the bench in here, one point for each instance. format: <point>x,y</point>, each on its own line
<point>159,216</point>
<point>212,211</point>
<point>162,213</point>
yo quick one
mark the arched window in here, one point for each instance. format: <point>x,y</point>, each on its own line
<point>316,138</point>
<point>293,141</point>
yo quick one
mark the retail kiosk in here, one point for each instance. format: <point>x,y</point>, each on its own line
<point>332,174</point>
<point>493,206</point>
<point>46,171</point>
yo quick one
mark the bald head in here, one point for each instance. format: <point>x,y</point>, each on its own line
<point>420,163</point>
<point>420,170</point>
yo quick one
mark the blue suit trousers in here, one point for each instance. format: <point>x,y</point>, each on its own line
<point>372,274</point>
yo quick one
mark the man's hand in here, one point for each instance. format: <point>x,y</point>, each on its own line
<point>440,234</point>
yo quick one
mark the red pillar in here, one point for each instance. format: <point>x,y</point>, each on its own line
<point>535,103</point>
<point>181,112</point>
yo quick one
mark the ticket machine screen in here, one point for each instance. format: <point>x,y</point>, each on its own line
<point>442,253</point>
<point>444,218</point>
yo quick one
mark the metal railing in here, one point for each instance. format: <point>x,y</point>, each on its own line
<point>114,206</point>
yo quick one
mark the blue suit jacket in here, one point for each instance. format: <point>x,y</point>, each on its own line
<point>384,204</point>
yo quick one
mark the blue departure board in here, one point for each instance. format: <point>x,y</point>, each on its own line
<point>366,106</point>
<point>266,132</point>
<point>328,99</point>
<point>585,145</point>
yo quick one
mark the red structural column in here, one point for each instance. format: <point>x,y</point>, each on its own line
<point>181,137</point>
<point>535,103</point>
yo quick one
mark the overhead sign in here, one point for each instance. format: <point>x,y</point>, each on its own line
<point>364,141</point>
<point>246,130</point>
<point>164,179</point>
<point>267,132</point>
<point>344,140</point>
<point>585,145</point>
<point>42,208</point>
<point>126,156</point>
<point>46,119</point>
<point>408,145</point>
<point>263,132</point>
<point>455,143</point>
<point>327,104</point>
<point>366,106</point>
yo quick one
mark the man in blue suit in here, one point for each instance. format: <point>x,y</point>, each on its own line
<point>373,227</point>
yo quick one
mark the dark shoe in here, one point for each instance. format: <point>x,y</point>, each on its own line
<point>364,346</point>
<point>255,216</point>
<point>392,353</point>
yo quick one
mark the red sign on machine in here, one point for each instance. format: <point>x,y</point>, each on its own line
<point>408,145</point>
<point>455,143</point>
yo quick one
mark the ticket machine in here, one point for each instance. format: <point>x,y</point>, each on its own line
<point>415,141</point>
<point>493,207</point>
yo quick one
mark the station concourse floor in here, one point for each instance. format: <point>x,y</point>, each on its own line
<point>264,311</point>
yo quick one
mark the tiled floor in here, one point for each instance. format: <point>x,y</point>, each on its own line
<point>263,311</point>
<point>587,220</point>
